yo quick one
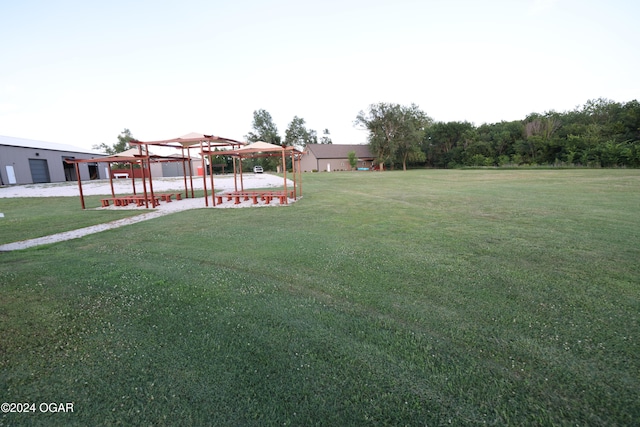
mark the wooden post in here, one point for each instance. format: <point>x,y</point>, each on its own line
<point>150,177</point>
<point>133,178</point>
<point>190,171</point>
<point>113,192</point>
<point>204,175</point>
<point>184,173</point>
<point>235,180</point>
<point>213,193</point>
<point>241,177</point>
<point>293,171</point>
<point>300,172</point>
<point>284,168</point>
<point>144,183</point>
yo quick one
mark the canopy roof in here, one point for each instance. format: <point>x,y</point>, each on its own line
<point>261,148</point>
<point>205,143</point>
<point>131,155</point>
<point>191,139</point>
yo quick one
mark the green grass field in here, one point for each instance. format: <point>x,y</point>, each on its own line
<point>431,297</point>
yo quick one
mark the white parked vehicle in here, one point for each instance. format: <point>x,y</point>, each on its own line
<point>257,169</point>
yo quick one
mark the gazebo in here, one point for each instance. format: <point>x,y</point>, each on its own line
<point>265,149</point>
<point>132,156</point>
<point>194,141</point>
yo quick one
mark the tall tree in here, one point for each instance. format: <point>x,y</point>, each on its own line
<point>120,146</point>
<point>395,132</point>
<point>264,128</point>
<point>297,133</point>
<point>382,124</point>
<point>326,137</point>
<point>413,123</point>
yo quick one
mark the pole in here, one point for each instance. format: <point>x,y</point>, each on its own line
<point>300,172</point>
<point>293,171</point>
<point>190,171</point>
<point>241,177</point>
<point>204,175</point>
<point>113,192</point>
<point>235,180</point>
<point>133,178</point>
<point>80,185</point>
<point>150,177</point>
<point>213,193</point>
<point>284,168</point>
<point>184,174</point>
<point>144,184</point>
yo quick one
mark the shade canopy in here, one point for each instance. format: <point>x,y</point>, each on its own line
<point>204,143</point>
<point>131,155</point>
<point>134,156</point>
<point>191,139</point>
<point>261,148</point>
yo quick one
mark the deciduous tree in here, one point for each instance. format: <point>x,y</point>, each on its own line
<point>120,146</point>
<point>264,128</point>
<point>326,137</point>
<point>413,123</point>
<point>395,132</point>
<point>353,159</point>
<point>298,134</point>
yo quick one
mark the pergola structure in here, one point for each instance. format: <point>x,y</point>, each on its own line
<point>133,156</point>
<point>141,156</point>
<point>265,149</point>
<point>194,141</point>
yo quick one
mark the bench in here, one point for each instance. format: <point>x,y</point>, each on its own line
<point>138,200</point>
<point>141,201</point>
<point>270,195</point>
<point>167,196</point>
<point>265,196</point>
<point>117,201</point>
<point>236,195</point>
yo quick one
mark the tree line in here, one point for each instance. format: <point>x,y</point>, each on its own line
<point>601,133</point>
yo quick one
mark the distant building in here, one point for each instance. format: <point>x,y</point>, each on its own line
<point>335,157</point>
<point>25,161</point>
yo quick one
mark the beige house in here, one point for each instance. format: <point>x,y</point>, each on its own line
<point>335,157</point>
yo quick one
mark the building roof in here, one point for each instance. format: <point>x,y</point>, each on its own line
<point>339,151</point>
<point>43,145</point>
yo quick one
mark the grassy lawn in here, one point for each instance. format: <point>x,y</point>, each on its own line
<point>418,298</point>
<point>31,217</point>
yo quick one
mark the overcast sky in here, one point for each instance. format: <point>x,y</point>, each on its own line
<point>79,72</point>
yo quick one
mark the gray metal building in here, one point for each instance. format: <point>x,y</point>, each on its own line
<point>25,161</point>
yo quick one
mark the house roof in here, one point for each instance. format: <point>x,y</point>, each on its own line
<point>339,151</point>
<point>43,145</point>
